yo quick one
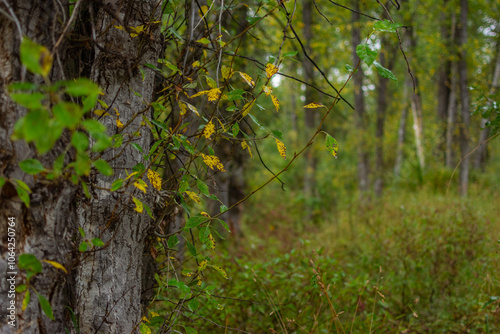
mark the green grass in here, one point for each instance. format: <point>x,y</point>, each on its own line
<point>416,261</point>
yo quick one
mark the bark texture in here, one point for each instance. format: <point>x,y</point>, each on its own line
<point>103,288</point>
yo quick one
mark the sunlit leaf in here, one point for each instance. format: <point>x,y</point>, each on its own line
<point>281,148</point>
<point>56,265</point>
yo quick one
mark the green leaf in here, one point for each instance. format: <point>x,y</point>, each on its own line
<point>137,147</point>
<point>26,300</point>
<point>172,241</point>
<point>22,86</point>
<point>117,184</point>
<point>366,54</point>
<point>31,166</point>
<point>386,26</point>
<point>47,309</point>
<point>277,134</point>
<point>236,94</point>
<point>80,141</point>
<point>160,125</point>
<point>85,189</point>
<point>193,304</point>
<point>195,221</point>
<point>82,164</point>
<point>83,247</point>
<point>384,72</point>
<point>204,233</point>
<point>36,58</point>
<point>331,145</point>
<point>82,232</point>
<point>32,101</point>
<point>103,167</point>
<point>97,242</point>
<point>82,87</point>
<point>224,224</point>
<point>181,285</point>
<point>144,329</point>
<point>30,264</point>
<point>202,186</point>
<point>23,192</point>
<point>191,248</point>
<point>148,210</point>
<point>21,288</point>
<point>235,129</point>
<point>289,54</point>
<point>2,181</point>
<point>223,208</point>
<point>253,20</point>
<point>58,165</point>
<point>93,126</point>
<point>118,140</point>
<point>68,114</point>
<point>492,300</point>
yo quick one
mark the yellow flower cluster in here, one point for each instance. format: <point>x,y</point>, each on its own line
<point>209,129</point>
<point>155,179</point>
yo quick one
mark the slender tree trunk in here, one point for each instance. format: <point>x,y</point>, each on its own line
<point>401,140</point>
<point>464,98</point>
<point>359,106</point>
<point>310,96</point>
<point>416,106</point>
<point>452,104</point>
<point>444,75</point>
<point>482,151</point>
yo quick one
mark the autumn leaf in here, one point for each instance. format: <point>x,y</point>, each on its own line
<point>248,79</point>
<point>56,265</point>
<point>281,148</point>
<point>182,107</point>
<point>119,123</point>
<point>314,105</point>
<point>275,102</point>
<point>138,205</point>
<point>213,94</point>
<point>267,90</point>
<point>212,161</point>
<point>155,179</point>
<point>193,196</point>
<point>271,70</point>
<point>141,185</point>
<point>227,72</point>
<point>247,107</point>
<point>245,146</point>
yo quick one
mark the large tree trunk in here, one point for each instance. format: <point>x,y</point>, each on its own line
<point>464,98</point>
<point>359,106</point>
<point>103,288</point>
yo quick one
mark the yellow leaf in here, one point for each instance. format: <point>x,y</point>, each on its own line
<point>213,94</point>
<point>46,61</point>
<point>220,270</point>
<point>138,205</point>
<point>211,82</point>
<point>141,185</point>
<point>271,70</point>
<point>26,300</point>
<point>275,102</point>
<point>209,129</point>
<point>56,265</point>
<point>314,105</point>
<point>128,177</point>
<point>196,64</point>
<point>245,146</point>
<point>192,108</point>
<point>204,10</point>
<point>247,107</point>
<point>155,179</point>
<point>100,112</point>
<point>222,125</point>
<point>227,72</point>
<point>116,112</point>
<point>204,214</point>
<point>281,148</point>
<point>268,90</point>
<point>212,161</point>
<point>154,314</point>
<point>202,265</point>
<point>211,242</point>
<point>144,319</point>
<point>120,28</point>
<point>203,92</point>
<point>119,123</point>
<point>248,79</point>
<point>182,107</point>
<point>193,196</point>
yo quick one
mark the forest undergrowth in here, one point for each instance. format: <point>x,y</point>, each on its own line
<point>415,261</point>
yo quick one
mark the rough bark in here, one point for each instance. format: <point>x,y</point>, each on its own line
<point>359,106</point>
<point>103,288</point>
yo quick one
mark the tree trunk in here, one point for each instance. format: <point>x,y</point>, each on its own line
<point>103,288</point>
<point>464,98</point>
<point>359,106</point>
<point>401,140</point>
<point>482,151</point>
<point>452,104</point>
<point>310,96</point>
